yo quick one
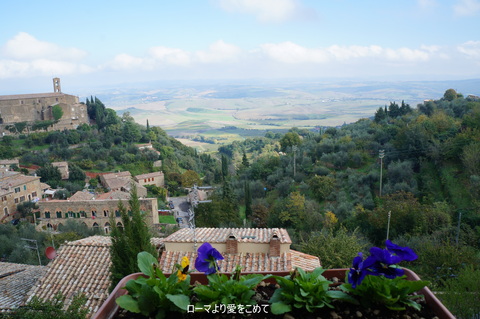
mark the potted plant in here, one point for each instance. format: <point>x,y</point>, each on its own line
<point>372,286</point>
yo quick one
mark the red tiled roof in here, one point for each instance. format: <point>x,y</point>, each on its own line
<point>220,235</point>
<point>250,262</point>
<point>82,266</point>
<point>15,281</point>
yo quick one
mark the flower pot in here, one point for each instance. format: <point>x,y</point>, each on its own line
<point>109,309</point>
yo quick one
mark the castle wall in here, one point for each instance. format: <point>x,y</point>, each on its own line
<point>38,107</point>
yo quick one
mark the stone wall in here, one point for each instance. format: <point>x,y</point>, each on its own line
<point>94,213</point>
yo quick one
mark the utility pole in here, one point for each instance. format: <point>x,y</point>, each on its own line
<point>458,227</point>
<point>388,224</point>
<point>381,155</point>
<point>294,148</point>
<point>191,213</point>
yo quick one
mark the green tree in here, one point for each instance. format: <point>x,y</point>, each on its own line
<point>49,174</point>
<point>290,139</point>
<point>335,248</point>
<point>57,112</point>
<point>380,115</point>
<point>190,178</point>
<point>54,308</point>
<point>128,241</point>
<point>76,174</point>
<point>321,186</point>
<point>450,95</point>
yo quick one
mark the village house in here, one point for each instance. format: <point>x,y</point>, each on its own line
<point>93,210</point>
<point>155,178</point>
<point>31,108</point>
<point>121,181</point>
<point>63,168</point>
<point>6,163</point>
<point>254,249</point>
<point>16,188</point>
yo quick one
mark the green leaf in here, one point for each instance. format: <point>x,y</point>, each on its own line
<point>181,301</point>
<point>145,262</point>
<point>340,295</point>
<point>128,303</point>
<point>278,308</point>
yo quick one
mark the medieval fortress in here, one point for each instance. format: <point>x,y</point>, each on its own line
<point>35,108</point>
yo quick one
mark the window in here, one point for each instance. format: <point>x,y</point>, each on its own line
<point>4,198</point>
<point>105,213</point>
<point>17,189</point>
<point>16,200</point>
<point>71,214</point>
<point>47,215</point>
<point>83,214</point>
<point>22,198</point>
<point>34,194</point>
<point>24,187</point>
<point>59,214</point>
<point>5,211</point>
<point>117,213</point>
<point>94,213</point>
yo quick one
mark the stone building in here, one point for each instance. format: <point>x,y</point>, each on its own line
<point>16,188</point>
<point>63,168</point>
<point>254,249</point>
<point>92,210</point>
<point>155,178</point>
<point>33,108</point>
<point>121,181</point>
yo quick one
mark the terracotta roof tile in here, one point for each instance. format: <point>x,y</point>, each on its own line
<point>82,266</point>
<point>15,281</point>
<point>304,261</point>
<point>250,262</point>
<point>148,175</point>
<point>220,235</point>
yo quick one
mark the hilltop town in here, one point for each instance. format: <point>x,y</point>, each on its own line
<point>74,175</point>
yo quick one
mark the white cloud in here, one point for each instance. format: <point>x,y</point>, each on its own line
<point>289,52</point>
<point>467,7</point>
<point>173,56</point>
<point>470,49</point>
<point>23,46</point>
<point>267,10</point>
<point>25,56</point>
<point>219,52</point>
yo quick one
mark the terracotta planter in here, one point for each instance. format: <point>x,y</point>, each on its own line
<point>109,308</point>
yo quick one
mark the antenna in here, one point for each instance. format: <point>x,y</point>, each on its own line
<point>33,248</point>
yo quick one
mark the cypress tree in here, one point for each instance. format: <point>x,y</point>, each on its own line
<point>129,241</point>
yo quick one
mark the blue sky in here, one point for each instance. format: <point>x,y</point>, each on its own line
<point>106,42</point>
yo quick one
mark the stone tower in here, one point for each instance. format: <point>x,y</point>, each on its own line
<point>56,85</point>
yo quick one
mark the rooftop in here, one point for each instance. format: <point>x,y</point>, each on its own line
<point>149,175</point>
<point>15,281</point>
<point>220,235</point>
<point>250,262</point>
<point>29,96</point>
<point>82,266</point>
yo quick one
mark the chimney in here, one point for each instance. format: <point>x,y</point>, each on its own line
<point>274,245</point>
<point>232,244</point>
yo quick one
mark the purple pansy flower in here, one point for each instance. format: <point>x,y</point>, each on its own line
<point>405,253</point>
<point>381,261</point>
<point>207,257</point>
<point>357,273</point>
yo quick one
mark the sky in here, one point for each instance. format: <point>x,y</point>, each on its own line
<point>116,42</point>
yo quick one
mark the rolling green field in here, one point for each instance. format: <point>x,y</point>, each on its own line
<point>222,112</point>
